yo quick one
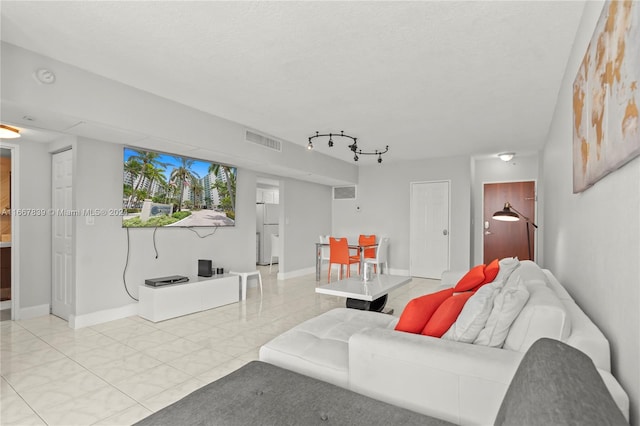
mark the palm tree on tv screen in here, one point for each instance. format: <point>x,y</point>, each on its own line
<point>150,166</point>
<point>154,174</point>
<point>183,175</point>
<point>226,170</point>
<point>133,167</point>
<point>198,190</point>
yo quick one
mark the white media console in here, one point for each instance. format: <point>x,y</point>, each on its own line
<point>197,294</point>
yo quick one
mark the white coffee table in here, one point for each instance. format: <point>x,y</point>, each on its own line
<point>365,295</point>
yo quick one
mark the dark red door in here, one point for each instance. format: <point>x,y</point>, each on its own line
<point>509,239</point>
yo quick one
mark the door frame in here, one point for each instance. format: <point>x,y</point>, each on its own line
<point>15,228</point>
<point>448,182</point>
<point>278,183</point>
<point>535,210</point>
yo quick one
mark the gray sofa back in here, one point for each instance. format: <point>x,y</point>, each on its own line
<point>556,384</point>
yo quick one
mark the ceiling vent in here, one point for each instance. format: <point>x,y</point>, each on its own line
<point>265,141</point>
<point>344,192</point>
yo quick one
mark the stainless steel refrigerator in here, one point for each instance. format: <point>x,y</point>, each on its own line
<point>267,216</point>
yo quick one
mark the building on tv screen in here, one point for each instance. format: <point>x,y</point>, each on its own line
<point>171,190</point>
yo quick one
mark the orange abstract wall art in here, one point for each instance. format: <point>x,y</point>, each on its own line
<point>606,129</point>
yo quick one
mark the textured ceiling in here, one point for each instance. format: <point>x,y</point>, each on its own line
<point>430,79</point>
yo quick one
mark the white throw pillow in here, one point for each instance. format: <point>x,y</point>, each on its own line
<point>544,315</point>
<point>506,308</point>
<point>507,266</point>
<point>474,314</point>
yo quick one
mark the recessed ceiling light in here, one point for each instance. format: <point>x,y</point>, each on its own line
<point>507,156</point>
<point>8,132</point>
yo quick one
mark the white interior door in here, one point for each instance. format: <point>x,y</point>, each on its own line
<point>62,264</point>
<point>429,229</point>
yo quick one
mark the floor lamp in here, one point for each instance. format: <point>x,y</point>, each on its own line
<point>510,214</point>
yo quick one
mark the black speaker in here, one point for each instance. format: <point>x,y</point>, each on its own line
<point>204,268</point>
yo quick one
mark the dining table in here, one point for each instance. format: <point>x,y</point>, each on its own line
<point>359,247</point>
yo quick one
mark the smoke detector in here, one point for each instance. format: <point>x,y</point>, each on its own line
<point>45,76</point>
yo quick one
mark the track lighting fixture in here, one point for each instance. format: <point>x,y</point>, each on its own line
<point>353,146</point>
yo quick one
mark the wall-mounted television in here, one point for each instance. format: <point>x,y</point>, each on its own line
<point>169,190</point>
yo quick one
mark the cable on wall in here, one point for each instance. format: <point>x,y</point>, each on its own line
<point>126,265</point>
<point>154,241</point>
<point>155,247</point>
<point>203,236</point>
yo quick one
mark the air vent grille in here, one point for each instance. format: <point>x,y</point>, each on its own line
<point>265,141</point>
<point>344,192</point>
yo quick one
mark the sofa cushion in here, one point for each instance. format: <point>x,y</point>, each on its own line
<point>471,279</point>
<point>544,315</point>
<point>474,314</point>
<point>506,307</point>
<point>556,384</point>
<point>319,347</point>
<point>446,314</point>
<point>530,273</point>
<point>419,310</point>
<point>507,266</point>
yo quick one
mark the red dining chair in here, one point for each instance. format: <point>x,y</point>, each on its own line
<point>364,240</point>
<point>339,254</point>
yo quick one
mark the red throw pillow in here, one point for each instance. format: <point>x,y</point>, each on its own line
<point>491,271</point>
<point>446,314</point>
<point>472,279</point>
<point>419,310</point>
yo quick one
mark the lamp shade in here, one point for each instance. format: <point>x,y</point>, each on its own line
<point>8,132</point>
<point>506,214</point>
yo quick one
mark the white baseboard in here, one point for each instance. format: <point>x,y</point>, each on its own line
<point>295,274</point>
<point>5,305</point>
<point>33,312</point>
<point>399,272</point>
<point>86,320</point>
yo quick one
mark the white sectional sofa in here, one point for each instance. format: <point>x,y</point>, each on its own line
<point>459,382</point>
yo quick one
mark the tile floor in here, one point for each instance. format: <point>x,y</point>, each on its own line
<point>119,372</point>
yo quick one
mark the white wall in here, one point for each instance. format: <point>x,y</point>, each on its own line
<point>84,104</point>
<point>34,239</point>
<point>101,248</point>
<point>491,170</point>
<point>383,196</point>
<point>305,216</point>
<point>592,239</point>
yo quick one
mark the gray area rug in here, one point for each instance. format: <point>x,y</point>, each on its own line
<point>263,394</point>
